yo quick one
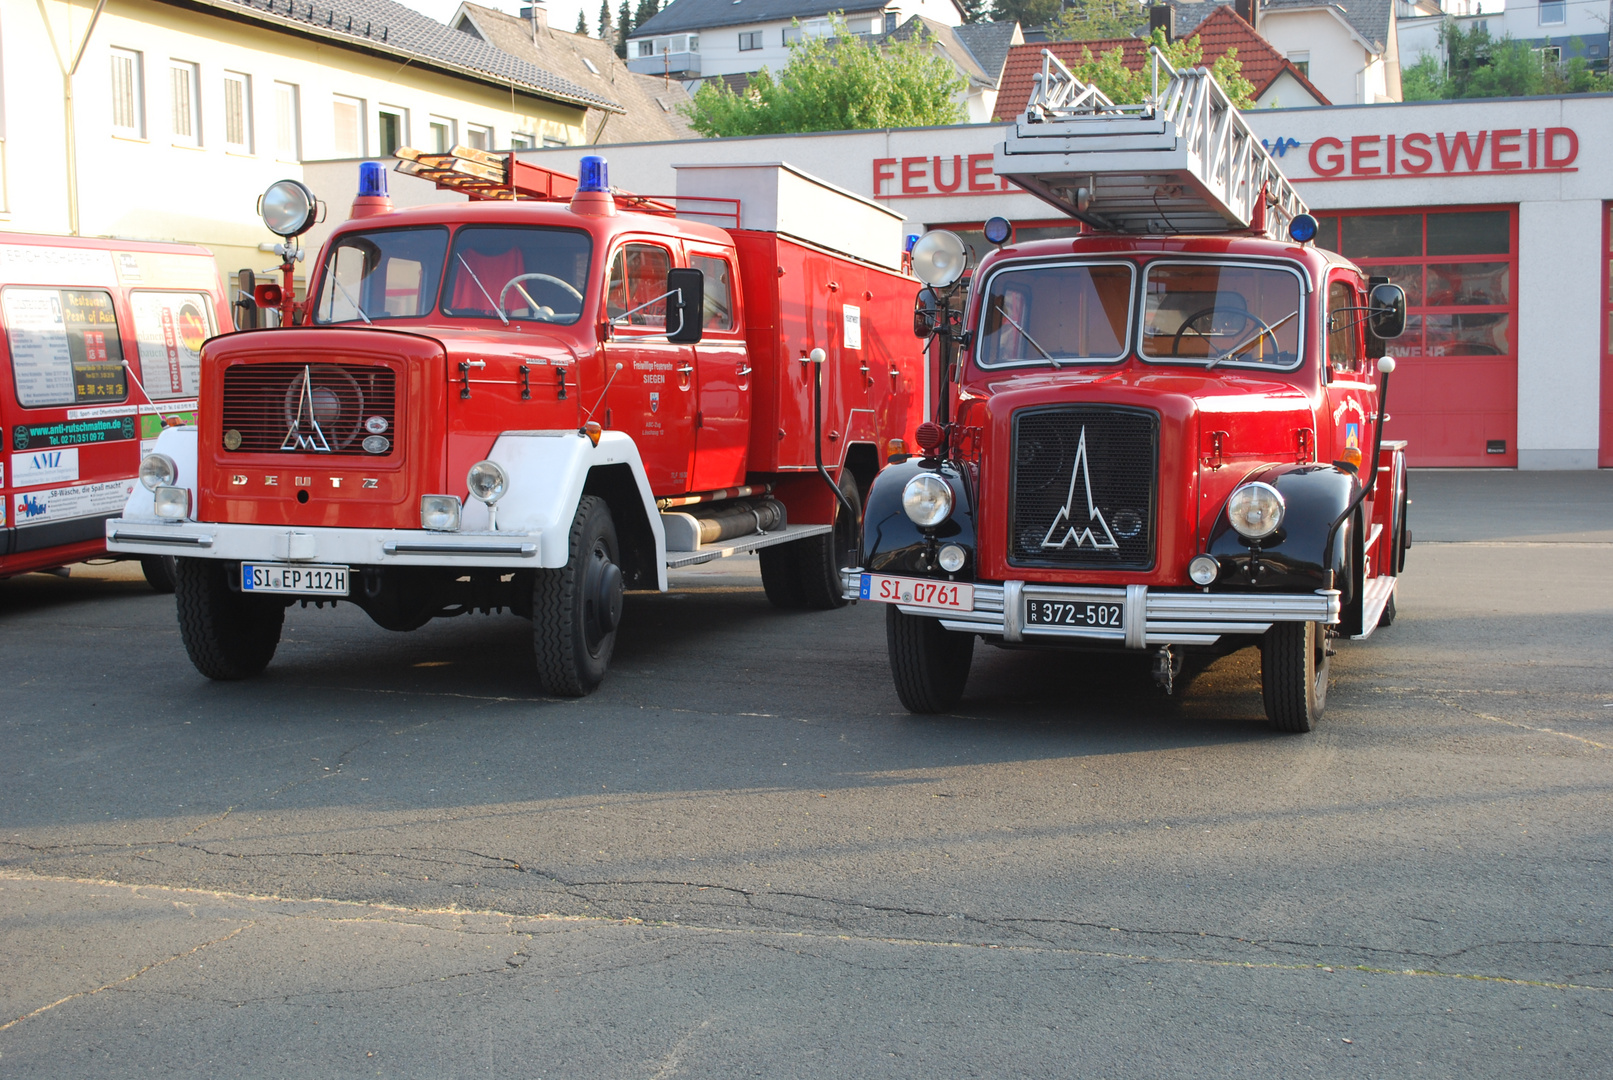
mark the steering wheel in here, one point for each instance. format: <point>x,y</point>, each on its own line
<point>542,312</point>
<point>1244,313</point>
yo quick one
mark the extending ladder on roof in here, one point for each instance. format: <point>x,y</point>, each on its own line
<point>1184,161</point>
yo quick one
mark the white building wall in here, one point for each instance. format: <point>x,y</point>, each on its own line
<point>1340,66</point>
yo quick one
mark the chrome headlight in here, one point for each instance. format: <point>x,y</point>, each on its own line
<point>1203,569</point>
<point>156,470</point>
<point>927,499</point>
<point>487,482</point>
<point>439,512</point>
<point>170,503</point>
<point>1255,510</point>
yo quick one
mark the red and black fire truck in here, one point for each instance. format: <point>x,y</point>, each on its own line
<point>1164,433</point>
<point>534,400</point>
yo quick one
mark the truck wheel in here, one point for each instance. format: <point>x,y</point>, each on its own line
<point>805,574</point>
<point>1388,616</point>
<point>576,609</point>
<point>159,571</point>
<point>1293,674</point>
<point>930,663</point>
<point>228,635</point>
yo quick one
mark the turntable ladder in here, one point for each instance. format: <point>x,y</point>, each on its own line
<point>1184,161</point>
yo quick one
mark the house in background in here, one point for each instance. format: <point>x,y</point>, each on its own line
<point>1278,82</point>
<point>690,39</point>
<point>184,112</point>
<point>978,50</point>
<point>651,108</point>
<point>1559,29</point>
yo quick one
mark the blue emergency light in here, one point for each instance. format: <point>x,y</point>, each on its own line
<point>372,178</point>
<point>999,230</point>
<point>593,174</point>
<point>1302,228</point>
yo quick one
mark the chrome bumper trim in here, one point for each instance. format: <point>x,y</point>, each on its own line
<point>1152,617</point>
<point>200,540</point>
<point>399,547</point>
<point>348,547</point>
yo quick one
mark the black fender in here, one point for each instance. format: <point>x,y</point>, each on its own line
<point>1292,559</point>
<point>893,544</point>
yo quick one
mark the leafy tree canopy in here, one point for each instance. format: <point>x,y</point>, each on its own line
<point>1028,13</point>
<point>1097,20</point>
<point>836,83</point>
<point>976,11</point>
<point>1127,87</point>
<point>1477,66</point>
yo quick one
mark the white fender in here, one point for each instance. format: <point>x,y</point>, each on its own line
<point>547,471</point>
<point>178,443</point>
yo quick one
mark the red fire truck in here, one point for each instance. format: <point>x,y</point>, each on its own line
<point>534,400</point>
<point>1163,433</point>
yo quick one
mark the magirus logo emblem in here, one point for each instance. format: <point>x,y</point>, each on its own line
<point>314,438</point>
<point>1081,536</point>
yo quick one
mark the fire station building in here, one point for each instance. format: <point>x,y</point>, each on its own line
<point>1495,216</point>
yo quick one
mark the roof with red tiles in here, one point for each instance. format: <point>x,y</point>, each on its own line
<point>1220,33</point>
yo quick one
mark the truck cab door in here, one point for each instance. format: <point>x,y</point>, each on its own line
<point>653,396</point>
<point>722,376</point>
<point>1352,398</point>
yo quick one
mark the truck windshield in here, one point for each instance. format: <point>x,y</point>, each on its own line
<point>1220,313</point>
<point>518,273</point>
<point>1056,314</point>
<point>386,274</point>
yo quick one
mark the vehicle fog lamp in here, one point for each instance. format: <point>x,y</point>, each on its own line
<point>1203,569</point>
<point>288,208</point>
<point>439,512</point>
<point>1255,510</point>
<point>170,503</point>
<point>487,482</point>
<point>927,500</point>
<point>157,470</point>
<point>951,558</point>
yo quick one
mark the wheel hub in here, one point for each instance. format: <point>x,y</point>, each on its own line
<point>601,598</point>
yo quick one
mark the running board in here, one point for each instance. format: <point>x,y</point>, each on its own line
<point>1375,597</point>
<point>743,545</point>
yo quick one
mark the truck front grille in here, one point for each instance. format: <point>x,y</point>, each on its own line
<point>1082,492</point>
<point>309,408</point>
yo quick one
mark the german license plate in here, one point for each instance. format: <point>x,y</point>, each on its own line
<point>917,592</point>
<point>1075,613</point>
<point>302,580</point>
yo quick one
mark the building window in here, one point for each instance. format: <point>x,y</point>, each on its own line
<point>238,112</point>
<point>646,48</point>
<point>521,142</point>
<point>442,134</point>
<point>694,43</point>
<point>288,128</point>
<point>890,22</point>
<point>792,34</point>
<point>1553,12</point>
<point>185,102</point>
<point>479,137</point>
<point>1302,61</point>
<point>750,41</point>
<point>554,140</point>
<point>348,115</point>
<point>128,100</point>
<point>1551,54</point>
<point>392,128</point>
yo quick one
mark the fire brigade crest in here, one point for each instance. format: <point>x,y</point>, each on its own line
<point>1082,536</point>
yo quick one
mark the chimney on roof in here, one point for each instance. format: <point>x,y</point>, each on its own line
<point>1248,11</point>
<point>1163,17</point>
<point>538,16</point>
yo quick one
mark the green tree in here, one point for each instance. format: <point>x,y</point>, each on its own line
<point>645,11</point>
<point>1126,87</point>
<point>607,25</point>
<point>582,24</point>
<point>1477,66</point>
<point>975,11</point>
<point>1098,20</point>
<point>838,83</point>
<point>624,27</point>
<point>1028,13</point>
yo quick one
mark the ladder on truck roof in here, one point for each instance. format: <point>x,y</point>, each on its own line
<point>1184,161</point>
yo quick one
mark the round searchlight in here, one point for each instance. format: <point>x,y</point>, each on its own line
<point>939,258</point>
<point>487,482</point>
<point>288,208</point>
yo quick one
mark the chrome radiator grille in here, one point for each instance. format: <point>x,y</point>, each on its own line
<point>1083,487</point>
<point>308,407</point>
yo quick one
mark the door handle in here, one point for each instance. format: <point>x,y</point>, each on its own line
<point>745,369</point>
<point>686,369</point>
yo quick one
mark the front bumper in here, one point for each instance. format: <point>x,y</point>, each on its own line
<point>348,547</point>
<point>1151,617</point>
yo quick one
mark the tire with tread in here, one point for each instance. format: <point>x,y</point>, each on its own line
<point>228,635</point>
<point>929,662</point>
<point>1293,674</point>
<point>804,575</point>
<point>577,608</point>
<point>159,572</point>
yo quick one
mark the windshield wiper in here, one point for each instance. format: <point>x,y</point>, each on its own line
<point>1262,332</point>
<point>349,298</point>
<point>503,317</point>
<point>1027,336</point>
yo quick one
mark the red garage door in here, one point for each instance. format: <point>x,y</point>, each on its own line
<point>1606,457</point>
<point>1455,398</point>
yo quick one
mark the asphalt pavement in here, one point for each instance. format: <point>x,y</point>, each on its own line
<point>389,856</point>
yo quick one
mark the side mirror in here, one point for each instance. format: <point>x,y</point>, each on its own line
<point>685,306</point>
<point>1386,316</point>
<point>926,313</point>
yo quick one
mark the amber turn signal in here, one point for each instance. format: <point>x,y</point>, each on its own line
<point>1352,457</point>
<point>593,431</point>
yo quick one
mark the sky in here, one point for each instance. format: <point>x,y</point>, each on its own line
<point>562,13</point>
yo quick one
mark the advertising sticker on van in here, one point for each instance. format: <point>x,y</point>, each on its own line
<point>72,432</point>
<point>45,467</point>
<point>65,347</point>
